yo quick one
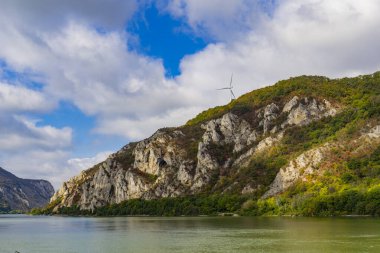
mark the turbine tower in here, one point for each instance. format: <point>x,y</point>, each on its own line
<point>229,88</point>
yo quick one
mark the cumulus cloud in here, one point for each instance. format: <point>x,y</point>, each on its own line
<point>54,165</point>
<point>220,19</point>
<point>138,129</point>
<point>18,98</point>
<point>33,151</point>
<point>99,74</point>
<point>40,152</point>
<point>48,15</point>
<point>19,133</point>
<point>38,164</point>
<point>87,162</point>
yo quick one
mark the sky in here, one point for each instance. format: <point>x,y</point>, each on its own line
<point>80,79</point>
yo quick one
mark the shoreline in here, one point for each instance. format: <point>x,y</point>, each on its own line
<point>203,215</point>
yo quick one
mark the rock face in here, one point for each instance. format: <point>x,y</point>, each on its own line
<point>308,163</point>
<point>181,161</point>
<point>304,165</point>
<point>303,111</point>
<point>22,194</point>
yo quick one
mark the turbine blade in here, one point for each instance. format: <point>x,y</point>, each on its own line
<point>227,88</point>
<point>231,80</point>
<point>232,93</point>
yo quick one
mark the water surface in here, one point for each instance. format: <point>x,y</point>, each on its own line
<point>31,234</point>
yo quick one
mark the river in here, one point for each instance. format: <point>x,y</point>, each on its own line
<point>39,234</point>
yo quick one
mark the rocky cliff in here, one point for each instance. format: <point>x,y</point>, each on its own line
<point>313,161</point>
<point>164,166</point>
<point>23,194</point>
<point>260,145</point>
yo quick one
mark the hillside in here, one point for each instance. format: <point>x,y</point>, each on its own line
<point>22,194</point>
<point>308,145</point>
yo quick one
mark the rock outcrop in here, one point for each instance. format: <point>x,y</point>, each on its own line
<point>308,163</point>
<point>181,161</point>
<point>298,169</point>
<point>23,194</point>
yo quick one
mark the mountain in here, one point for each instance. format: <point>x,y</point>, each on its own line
<point>22,194</point>
<point>308,145</point>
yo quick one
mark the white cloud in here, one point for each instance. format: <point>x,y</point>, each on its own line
<point>98,72</point>
<point>35,163</point>
<point>17,98</point>
<point>138,129</point>
<point>18,133</point>
<point>48,15</point>
<point>32,151</point>
<point>40,152</point>
<point>53,165</point>
<point>220,19</point>
<point>87,162</point>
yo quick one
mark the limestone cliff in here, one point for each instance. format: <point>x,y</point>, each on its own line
<point>301,138</point>
<point>193,158</point>
<point>313,161</point>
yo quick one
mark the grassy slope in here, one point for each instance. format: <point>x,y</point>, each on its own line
<point>351,186</point>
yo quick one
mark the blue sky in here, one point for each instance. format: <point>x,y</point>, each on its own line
<point>79,81</point>
<point>161,36</point>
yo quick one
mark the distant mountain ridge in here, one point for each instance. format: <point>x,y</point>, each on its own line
<point>308,145</point>
<point>22,194</point>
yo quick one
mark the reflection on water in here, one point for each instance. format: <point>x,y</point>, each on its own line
<point>29,234</point>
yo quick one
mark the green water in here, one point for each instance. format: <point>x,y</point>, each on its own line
<point>29,234</point>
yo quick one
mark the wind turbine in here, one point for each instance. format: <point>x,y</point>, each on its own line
<point>229,88</point>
